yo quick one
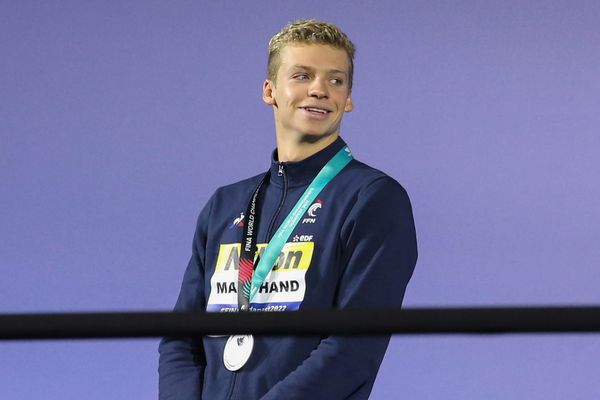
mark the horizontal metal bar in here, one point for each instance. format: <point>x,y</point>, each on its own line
<point>484,320</point>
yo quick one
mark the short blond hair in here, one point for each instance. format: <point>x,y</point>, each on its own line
<point>309,31</point>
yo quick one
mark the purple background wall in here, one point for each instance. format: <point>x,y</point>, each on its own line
<point>119,119</point>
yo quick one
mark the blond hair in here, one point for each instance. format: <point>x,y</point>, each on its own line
<point>309,31</point>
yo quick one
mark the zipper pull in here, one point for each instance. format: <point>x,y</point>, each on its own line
<point>280,172</point>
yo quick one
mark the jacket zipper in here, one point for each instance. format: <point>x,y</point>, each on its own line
<point>232,385</point>
<point>280,172</point>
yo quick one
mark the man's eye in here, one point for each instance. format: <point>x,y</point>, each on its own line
<point>336,81</point>
<point>301,77</point>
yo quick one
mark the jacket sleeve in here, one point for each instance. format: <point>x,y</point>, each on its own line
<point>181,362</point>
<point>379,252</point>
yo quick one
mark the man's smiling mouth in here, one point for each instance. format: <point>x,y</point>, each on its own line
<point>318,110</point>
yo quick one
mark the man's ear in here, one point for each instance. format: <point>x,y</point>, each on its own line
<point>267,93</point>
<point>349,106</point>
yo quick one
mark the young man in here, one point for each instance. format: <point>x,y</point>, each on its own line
<point>351,245</point>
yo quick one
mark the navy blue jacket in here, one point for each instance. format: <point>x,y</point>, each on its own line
<point>354,248</point>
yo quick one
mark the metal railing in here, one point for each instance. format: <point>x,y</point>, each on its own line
<point>479,320</point>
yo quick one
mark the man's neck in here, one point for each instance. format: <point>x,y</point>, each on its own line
<point>288,150</point>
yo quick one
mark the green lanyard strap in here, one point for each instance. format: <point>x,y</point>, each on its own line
<point>271,253</point>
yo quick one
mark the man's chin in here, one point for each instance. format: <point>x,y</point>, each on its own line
<point>316,137</point>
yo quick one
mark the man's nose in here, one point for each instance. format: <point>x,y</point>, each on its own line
<point>318,89</point>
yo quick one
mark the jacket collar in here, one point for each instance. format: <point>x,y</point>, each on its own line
<point>300,173</point>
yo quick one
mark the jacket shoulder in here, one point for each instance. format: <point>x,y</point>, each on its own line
<point>239,187</point>
<point>363,176</point>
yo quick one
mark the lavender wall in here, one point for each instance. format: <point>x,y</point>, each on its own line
<point>119,119</point>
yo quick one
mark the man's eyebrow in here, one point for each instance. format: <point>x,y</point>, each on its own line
<point>308,68</point>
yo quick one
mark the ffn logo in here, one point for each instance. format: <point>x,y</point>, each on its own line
<point>312,212</point>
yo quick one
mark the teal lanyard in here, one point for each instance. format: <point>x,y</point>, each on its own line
<point>271,253</point>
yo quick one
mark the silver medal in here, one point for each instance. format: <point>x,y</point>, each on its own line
<point>237,351</point>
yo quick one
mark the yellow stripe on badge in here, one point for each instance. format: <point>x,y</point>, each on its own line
<point>293,256</point>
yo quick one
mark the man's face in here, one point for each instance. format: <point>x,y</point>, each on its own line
<point>311,92</point>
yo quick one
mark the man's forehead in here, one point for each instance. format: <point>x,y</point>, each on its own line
<point>313,57</point>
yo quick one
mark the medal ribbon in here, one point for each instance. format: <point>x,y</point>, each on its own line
<point>271,253</point>
<point>246,263</point>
